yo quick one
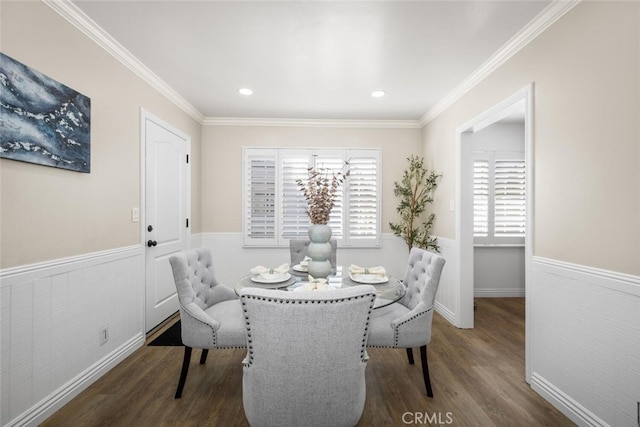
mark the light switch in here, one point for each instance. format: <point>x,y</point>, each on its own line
<point>452,205</point>
<point>135,215</point>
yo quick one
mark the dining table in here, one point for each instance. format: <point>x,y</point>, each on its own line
<point>389,289</point>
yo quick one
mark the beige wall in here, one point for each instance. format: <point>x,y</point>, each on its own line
<point>586,71</point>
<point>222,163</point>
<point>50,213</point>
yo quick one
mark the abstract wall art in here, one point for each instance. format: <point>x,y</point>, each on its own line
<point>42,121</point>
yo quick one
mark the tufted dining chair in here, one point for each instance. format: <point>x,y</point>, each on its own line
<point>407,323</point>
<point>299,248</point>
<point>210,313</point>
<point>306,356</point>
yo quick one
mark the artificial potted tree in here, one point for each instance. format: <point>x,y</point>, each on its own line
<point>415,191</point>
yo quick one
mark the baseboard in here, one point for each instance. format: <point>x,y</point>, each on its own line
<point>569,407</point>
<point>445,312</point>
<point>49,405</point>
<point>499,293</point>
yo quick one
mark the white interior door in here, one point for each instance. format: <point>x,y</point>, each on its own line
<point>166,226</point>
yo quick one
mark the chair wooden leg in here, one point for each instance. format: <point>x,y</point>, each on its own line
<point>425,370</point>
<point>410,356</point>
<point>184,372</point>
<point>203,356</point>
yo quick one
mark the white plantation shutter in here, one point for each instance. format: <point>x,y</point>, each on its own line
<point>481,198</point>
<point>498,198</point>
<point>333,162</point>
<point>363,189</point>
<point>275,208</point>
<point>260,200</point>
<point>509,198</point>
<point>294,219</point>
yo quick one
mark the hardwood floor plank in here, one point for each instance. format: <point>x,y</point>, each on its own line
<point>477,377</point>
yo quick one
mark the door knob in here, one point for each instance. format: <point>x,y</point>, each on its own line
<point>151,243</point>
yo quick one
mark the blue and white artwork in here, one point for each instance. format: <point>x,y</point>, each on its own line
<point>41,120</point>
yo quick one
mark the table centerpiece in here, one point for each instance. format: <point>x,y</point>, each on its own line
<point>320,190</point>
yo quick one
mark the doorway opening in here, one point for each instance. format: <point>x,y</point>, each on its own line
<point>475,222</point>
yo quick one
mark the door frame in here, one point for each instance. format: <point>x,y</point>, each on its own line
<point>144,116</point>
<point>464,214</point>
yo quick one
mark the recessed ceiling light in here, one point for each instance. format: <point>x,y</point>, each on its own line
<point>378,93</point>
<point>245,91</point>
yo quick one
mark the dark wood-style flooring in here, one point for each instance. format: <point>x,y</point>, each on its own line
<point>477,377</point>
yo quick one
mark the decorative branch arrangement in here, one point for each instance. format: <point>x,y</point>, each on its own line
<point>320,190</point>
<point>415,192</point>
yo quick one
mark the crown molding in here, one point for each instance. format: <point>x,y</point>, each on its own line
<point>240,121</point>
<point>91,29</point>
<point>553,12</point>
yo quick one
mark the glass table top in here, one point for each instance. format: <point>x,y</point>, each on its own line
<point>388,288</point>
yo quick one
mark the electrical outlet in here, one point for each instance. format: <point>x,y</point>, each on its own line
<point>103,335</point>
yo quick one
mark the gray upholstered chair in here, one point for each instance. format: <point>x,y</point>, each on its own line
<point>299,249</point>
<point>210,313</point>
<point>407,323</point>
<point>306,356</point>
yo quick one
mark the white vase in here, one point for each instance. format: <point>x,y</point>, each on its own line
<point>319,251</point>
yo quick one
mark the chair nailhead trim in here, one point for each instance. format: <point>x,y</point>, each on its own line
<point>363,349</point>
<point>213,332</point>
<point>415,316</point>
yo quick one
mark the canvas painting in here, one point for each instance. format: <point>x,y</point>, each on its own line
<point>41,120</point>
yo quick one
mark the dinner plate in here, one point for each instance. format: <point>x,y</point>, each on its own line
<point>278,279</point>
<point>299,268</point>
<point>370,279</point>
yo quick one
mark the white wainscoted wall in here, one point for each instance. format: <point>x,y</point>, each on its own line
<point>51,316</point>
<point>447,296</point>
<point>498,271</point>
<point>585,341</point>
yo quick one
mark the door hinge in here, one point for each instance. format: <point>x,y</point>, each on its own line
<point>187,158</point>
<point>187,222</point>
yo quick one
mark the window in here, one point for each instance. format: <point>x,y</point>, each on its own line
<point>498,198</point>
<point>275,209</point>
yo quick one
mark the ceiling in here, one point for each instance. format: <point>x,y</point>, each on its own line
<point>313,60</point>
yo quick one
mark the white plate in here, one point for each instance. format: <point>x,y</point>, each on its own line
<point>299,268</point>
<point>370,279</point>
<point>277,279</point>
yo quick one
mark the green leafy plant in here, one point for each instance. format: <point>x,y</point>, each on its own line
<point>416,193</point>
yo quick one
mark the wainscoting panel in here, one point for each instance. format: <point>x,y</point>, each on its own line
<point>447,296</point>
<point>52,314</point>
<point>585,344</point>
<point>498,271</point>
